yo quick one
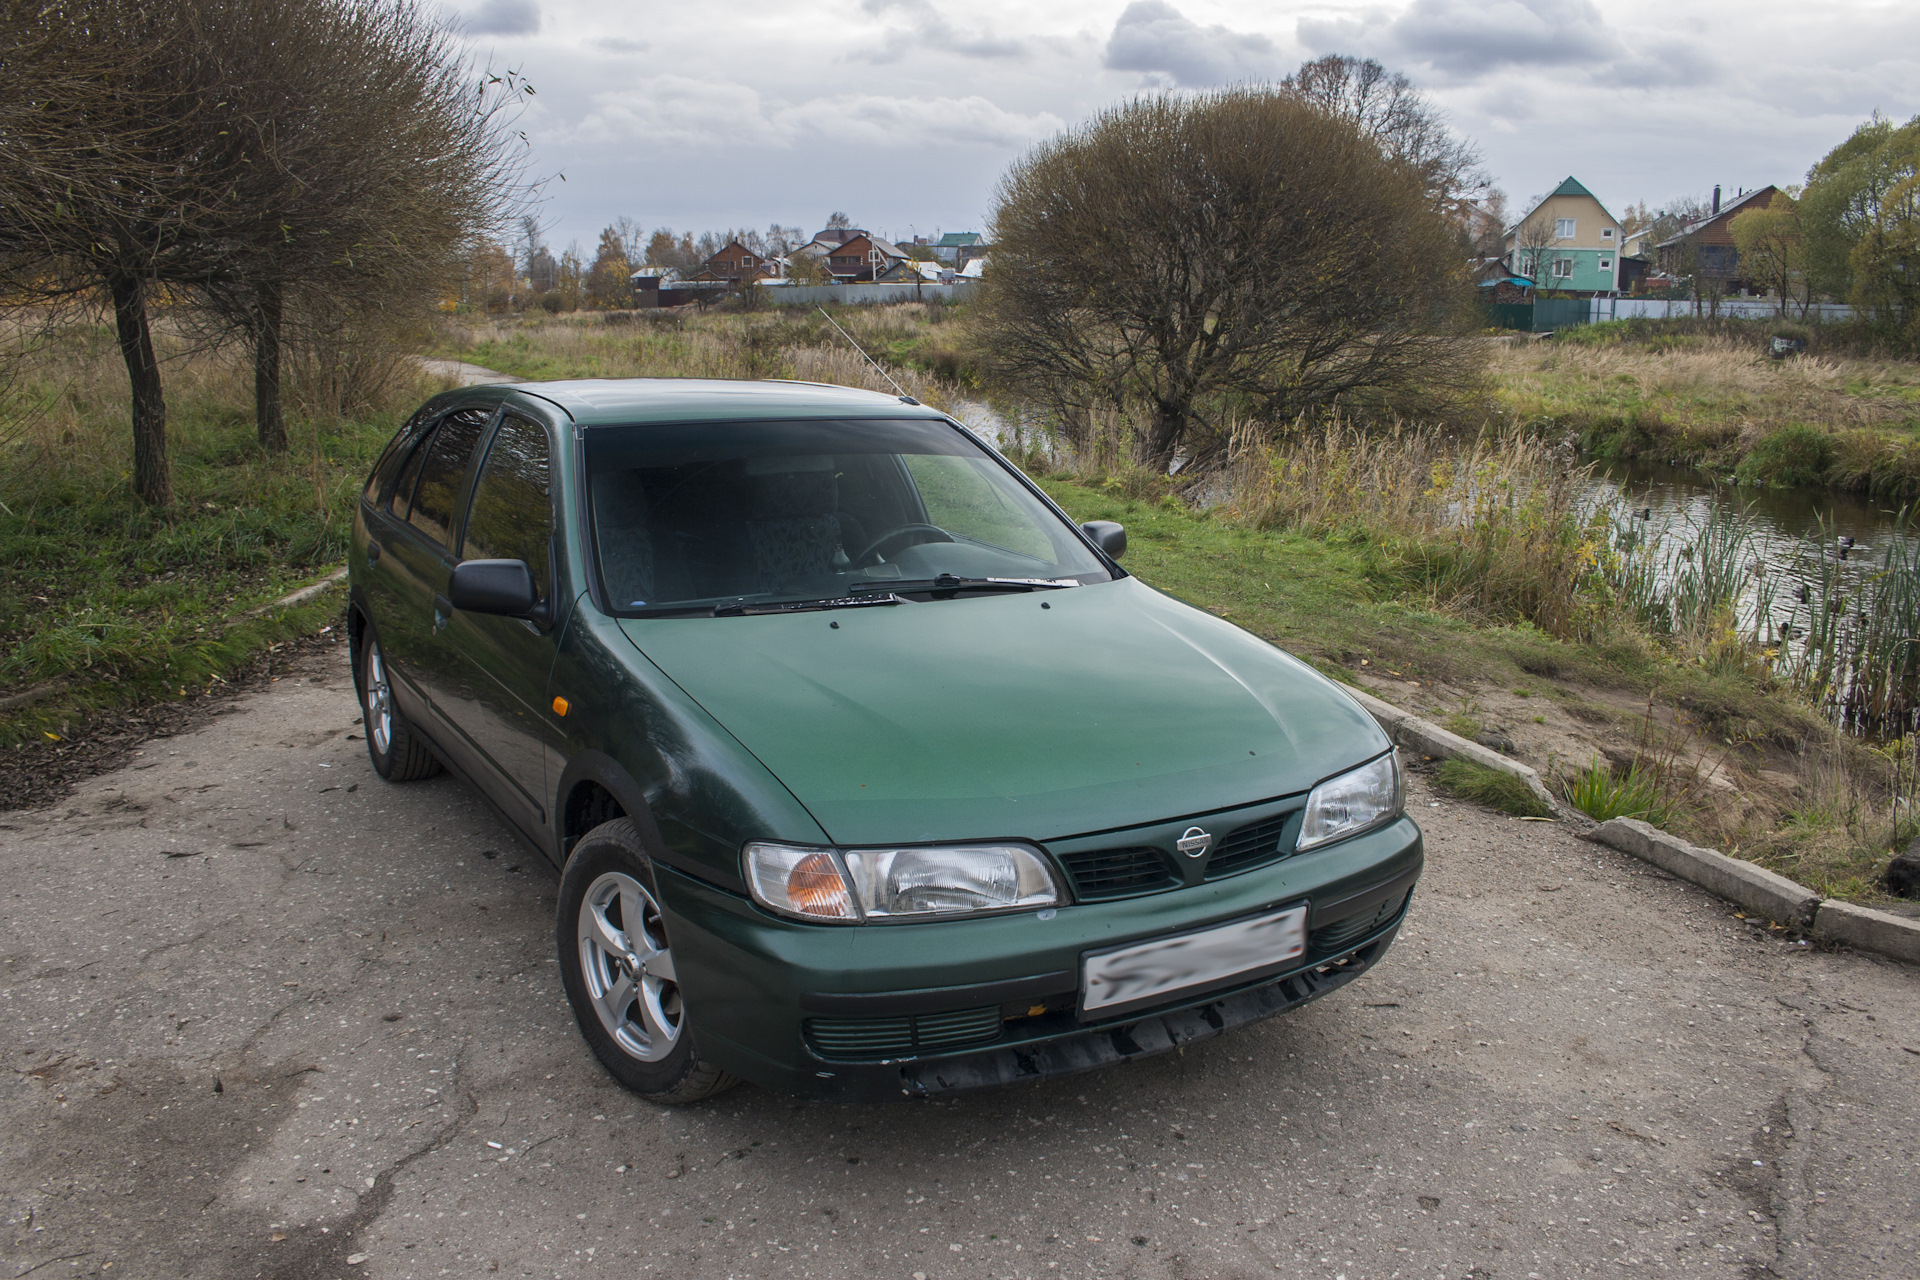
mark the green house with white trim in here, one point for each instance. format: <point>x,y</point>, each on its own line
<point>1568,243</point>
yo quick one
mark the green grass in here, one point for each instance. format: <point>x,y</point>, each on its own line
<point>1490,787</point>
<point>115,604</point>
<point>1602,793</point>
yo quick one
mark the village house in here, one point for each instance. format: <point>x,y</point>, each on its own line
<point>1705,250</point>
<point>736,262</point>
<point>1567,244</point>
<point>862,258</point>
<point>949,246</point>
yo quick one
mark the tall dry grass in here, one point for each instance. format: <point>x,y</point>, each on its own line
<point>1492,524</point>
<point>1704,383</point>
<point>781,343</point>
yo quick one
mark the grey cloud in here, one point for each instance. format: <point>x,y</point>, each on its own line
<point>928,31</point>
<point>620,44</point>
<point>1462,37</point>
<point>1153,36</point>
<point>1465,39</point>
<point>504,18</point>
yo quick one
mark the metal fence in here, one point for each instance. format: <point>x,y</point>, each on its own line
<point>813,295</point>
<point>1733,308</point>
<point>1544,315</point>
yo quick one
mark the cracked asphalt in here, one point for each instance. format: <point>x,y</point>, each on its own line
<point>269,1016</point>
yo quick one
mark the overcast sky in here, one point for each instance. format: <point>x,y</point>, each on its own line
<point>904,112</point>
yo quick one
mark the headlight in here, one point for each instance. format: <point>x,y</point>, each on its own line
<point>894,884</point>
<point>1365,797</point>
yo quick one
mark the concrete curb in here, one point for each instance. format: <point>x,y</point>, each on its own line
<point>1869,930</point>
<point>301,596</point>
<point>1742,883</point>
<point>1410,731</point>
<point>1752,887</point>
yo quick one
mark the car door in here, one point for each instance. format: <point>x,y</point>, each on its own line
<point>492,688</point>
<point>416,555</point>
<point>384,510</point>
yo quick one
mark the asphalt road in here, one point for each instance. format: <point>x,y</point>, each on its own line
<point>270,1016</point>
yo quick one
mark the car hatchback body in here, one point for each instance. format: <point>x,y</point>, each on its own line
<point>867,772</point>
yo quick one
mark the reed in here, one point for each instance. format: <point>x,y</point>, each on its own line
<point>1854,635</point>
<point>1491,524</point>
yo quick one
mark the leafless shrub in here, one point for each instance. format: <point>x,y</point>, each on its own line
<point>1239,253</point>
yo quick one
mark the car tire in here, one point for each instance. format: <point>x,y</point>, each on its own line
<point>620,980</point>
<point>397,753</point>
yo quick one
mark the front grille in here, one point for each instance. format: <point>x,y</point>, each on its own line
<point>1116,873</point>
<point>875,1037</point>
<point>1332,937</point>
<point>1249,847</point>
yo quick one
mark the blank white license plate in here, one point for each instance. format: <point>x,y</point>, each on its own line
<point>1165,966</point>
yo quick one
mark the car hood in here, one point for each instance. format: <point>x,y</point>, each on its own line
<point>1034,716</point>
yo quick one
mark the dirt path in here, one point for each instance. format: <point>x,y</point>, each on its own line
<point>268,1013</point>
<point>461,373</point>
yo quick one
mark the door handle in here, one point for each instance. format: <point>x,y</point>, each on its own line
<point>442,610</point>
<point>373,552</point>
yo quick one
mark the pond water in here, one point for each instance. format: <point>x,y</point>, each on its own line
<point>1784,517</point>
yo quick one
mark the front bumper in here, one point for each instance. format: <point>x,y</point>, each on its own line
<point>763,991</point>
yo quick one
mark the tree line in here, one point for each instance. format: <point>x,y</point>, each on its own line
<point>523,271</point>
<point>265,168</point>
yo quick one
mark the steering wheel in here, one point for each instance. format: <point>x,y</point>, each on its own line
<point>894,541</point>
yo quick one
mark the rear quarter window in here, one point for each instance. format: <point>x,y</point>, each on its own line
<point>380,481</point>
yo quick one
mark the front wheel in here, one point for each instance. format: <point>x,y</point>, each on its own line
<point>617,966</point>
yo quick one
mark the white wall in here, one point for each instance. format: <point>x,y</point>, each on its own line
<point>813,295</point>
<point>1738,308</point>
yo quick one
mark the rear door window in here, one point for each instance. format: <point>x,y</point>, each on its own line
<point>444,471</point>
<point>512,513</point>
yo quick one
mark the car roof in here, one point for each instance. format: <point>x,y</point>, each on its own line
<point>606,401</point>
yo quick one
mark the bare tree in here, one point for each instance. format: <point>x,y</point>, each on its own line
<point>207,148</point>
<point>1386,107</point>
<point>1242,251</point>
<point>1534,242</point>
<point>116,159</point>
<point>377,156</point>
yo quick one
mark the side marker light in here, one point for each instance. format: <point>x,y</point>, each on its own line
<point>560,706</point>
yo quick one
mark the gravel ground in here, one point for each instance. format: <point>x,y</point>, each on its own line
<point>274,1017</point>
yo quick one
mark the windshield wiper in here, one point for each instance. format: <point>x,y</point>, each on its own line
<point>952,582</point>
<point>739,609</point>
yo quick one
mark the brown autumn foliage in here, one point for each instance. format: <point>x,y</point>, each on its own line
<point>1231,255</point>
<point>252,157</point>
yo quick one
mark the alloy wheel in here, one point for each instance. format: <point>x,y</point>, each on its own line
<point>379,699</point>
<point>628,967</point>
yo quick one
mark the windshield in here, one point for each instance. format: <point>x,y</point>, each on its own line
<point>688,516</point>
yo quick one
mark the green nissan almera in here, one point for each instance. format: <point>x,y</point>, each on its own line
<point>867,772</point>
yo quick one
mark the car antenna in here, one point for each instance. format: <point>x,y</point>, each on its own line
<point>864,356</point>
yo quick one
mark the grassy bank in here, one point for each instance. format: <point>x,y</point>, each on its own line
<point>1707,396</point>
<point>105,603</point>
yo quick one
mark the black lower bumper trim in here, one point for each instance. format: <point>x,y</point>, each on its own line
<point>1101,1046</point>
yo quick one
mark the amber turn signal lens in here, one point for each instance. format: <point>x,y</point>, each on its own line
<point>560,706</point>
<point>815,888</point>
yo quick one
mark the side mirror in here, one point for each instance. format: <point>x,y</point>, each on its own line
<point>1108,536</point>
<point>503,587</point>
